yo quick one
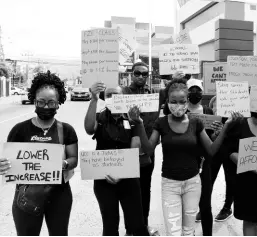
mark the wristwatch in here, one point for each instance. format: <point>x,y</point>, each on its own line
<point>66,165</point>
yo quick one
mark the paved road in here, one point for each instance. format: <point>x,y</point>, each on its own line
<point>85,217</point>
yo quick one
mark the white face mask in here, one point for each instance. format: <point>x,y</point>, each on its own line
<point>108,103</point>
<point>177,109</point>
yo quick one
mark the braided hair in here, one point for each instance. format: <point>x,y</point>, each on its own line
<point>47,80</point>
<point>174,85</point>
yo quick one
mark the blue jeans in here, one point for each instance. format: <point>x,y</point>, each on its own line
<point>180,200</point>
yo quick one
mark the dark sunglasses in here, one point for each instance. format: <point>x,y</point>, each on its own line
<point>138,74</point>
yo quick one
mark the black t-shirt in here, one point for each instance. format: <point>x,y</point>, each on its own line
<point>27,132</point>
<point>180,151</point>
<point>112,134</point>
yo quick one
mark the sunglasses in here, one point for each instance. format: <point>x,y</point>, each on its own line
<point>138,74</point>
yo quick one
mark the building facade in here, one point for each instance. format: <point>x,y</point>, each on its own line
<point>199,16</point>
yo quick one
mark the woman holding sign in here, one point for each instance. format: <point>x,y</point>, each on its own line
<point>114,131</point>
<point>181,138</point>
<point>245,204</point>
<point>32,203</point>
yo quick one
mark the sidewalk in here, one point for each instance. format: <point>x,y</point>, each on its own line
<point>13,99</point>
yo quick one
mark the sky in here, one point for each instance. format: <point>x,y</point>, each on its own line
<point>52,28</point>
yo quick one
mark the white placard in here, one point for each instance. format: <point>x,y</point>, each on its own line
<point>122,163</point>
<point>179,57</point>
<point>242,68</point>
<point>183,37</point>
<point>34,163</point>
<point>253,98</point>
<point>247,156</point>
<point>100,57</point>
<point>146,102</point>
<point>232,97</point>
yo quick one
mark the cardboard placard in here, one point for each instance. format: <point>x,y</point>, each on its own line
<point>253,98</point>
<point>97,164</point>
<point>146,102</point>
<point>242,68</point>
<point>247,157</point>
<point>34,163</point>
<point>213,72</point>
<point>179,57</point>
<point>207,119</point>
<point>183,37</point>
<point>233,97</point>
<point>100,57</point>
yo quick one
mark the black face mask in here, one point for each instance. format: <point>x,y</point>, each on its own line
<point>195,98</point>
<point>254,114</point>
<point>45,113</point>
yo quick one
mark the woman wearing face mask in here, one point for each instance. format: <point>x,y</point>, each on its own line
<point>114,131</point>
<point>48,92</point>
<point>181,138</point>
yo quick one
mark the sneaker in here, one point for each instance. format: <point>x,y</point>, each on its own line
<point>198,217</point>
<point>224,214</point>
<point>153,232</point>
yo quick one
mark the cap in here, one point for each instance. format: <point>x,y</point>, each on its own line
<point>194,82</point>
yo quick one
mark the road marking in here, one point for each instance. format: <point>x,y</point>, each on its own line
<point>7,120</point>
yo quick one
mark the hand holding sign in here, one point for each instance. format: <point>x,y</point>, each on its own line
<point>235,116</point>
<point>96,89</point>
<point>178,75</point>
<point>134,115</point>
<point>5,165</point>
<point>110,179</point>
<point>217,126</point>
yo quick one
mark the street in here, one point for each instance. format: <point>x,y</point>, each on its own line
<point>85,217</point>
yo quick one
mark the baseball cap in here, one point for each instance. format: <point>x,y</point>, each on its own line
<point>194,82</point>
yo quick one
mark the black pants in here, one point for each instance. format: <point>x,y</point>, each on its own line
<point>57,214</point>
<point>230,174</point>
<point>205,201</point>
<point>127,193</point>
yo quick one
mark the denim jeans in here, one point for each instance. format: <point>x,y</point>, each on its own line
<point>180,200</point>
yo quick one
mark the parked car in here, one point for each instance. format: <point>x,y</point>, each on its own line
<point>66,89</point>
<point>79,93</point>
<point>17,91</point>
<point>25,99</point>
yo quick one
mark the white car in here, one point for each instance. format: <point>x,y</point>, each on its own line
<point>17,91</point>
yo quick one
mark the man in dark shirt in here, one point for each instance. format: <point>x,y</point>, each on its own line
<point>139,77</point>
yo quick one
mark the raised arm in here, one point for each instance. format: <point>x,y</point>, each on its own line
<point>90,123</point>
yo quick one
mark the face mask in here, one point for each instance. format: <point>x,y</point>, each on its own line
<point>178,110</point>
<point>45,113</point>
<point>195,98</point>
<point>108,103</point>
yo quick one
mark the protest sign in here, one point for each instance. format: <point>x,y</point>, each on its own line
<point>100,57</point>
<point>183,37</point>
<point>206,119</point>
<point>97,164</point>
<point>247,157</point>
<point>253,98</point>
<point>242,68</point>
<point>213,72</point>
<point>127,42</point>
<point>179,57</point>
<point>34,163</point>
<point>146,102</point>
<point>232,97</point>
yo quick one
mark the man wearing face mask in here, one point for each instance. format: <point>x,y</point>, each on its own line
<point>195,90</point>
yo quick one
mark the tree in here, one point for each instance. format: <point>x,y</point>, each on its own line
<point>3,70</point>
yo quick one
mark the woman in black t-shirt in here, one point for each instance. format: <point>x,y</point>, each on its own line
<point>181,139</point>
<point>50,201</point>
<point>245,204</point>
<point>114,131</point>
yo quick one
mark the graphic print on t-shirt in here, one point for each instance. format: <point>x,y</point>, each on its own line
<point>40,139</point>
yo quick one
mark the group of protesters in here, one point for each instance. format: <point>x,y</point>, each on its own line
<point>192,157</point>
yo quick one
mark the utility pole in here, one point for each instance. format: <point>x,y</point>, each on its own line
<point>27,54</point>
<point>2,57</point>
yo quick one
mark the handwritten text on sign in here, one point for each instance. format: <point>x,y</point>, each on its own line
<point>253,98</point>
<point>34,163</point>
<point>242,68</point>
<point>206,119</point>
<point>117,163</point>
<point>213,72</point>
<point>233,97</point>
<point>247,158</point>
<point>100,57</point>
<point>146,102</point>
<point>179,57</point>
<point>183,37</point>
